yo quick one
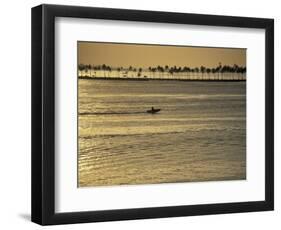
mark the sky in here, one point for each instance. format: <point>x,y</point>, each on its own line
<point>141,55</point>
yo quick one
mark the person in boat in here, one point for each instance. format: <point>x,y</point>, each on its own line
<point>152,110</point>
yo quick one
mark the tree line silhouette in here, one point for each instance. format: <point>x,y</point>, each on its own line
<point>221,72</point>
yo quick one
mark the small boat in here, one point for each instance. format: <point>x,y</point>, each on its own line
<point>152,110</point>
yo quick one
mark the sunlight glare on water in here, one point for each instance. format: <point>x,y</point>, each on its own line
<point>199,134</point>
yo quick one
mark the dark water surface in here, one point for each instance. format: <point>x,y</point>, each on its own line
<point>199,135</point>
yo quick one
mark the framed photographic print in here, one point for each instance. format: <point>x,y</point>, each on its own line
<point>142,114</point>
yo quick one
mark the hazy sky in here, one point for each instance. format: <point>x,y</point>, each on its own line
<point>122,54</point>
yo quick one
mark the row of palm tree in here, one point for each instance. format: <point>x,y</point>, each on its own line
<point>221,72</point>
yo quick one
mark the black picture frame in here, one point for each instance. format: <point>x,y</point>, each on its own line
<point>43,114</point>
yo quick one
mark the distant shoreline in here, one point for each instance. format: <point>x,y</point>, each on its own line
<point>153,79</point>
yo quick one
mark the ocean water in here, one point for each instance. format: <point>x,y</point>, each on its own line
<point>199,134</point>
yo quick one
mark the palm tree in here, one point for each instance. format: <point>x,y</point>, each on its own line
<point>130,69</point>
<point>222,71</point>
<point>167,70</point>
<point>208,70</point>
<point>179,70</point>
<point>226,72</point>
<point>86,70</point>
<point>150,70</point>
<point>158,68</point>
<point>109,70</point>
<point>186,70</point>
<point>140,70</point>
<point>162,71</point>
<point>121,70</point>
<point>202,69</point>
<point>175,70</point>
<point>244,72</point>
<point>81,68</point>
<point>103,67</point>
<point>213,70</point>
<point>218,70</point>
<point>196,70</point>
<point>236,71</point>
<point>153,71</point>
<point>91,67</point>
<point>171,71</point>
